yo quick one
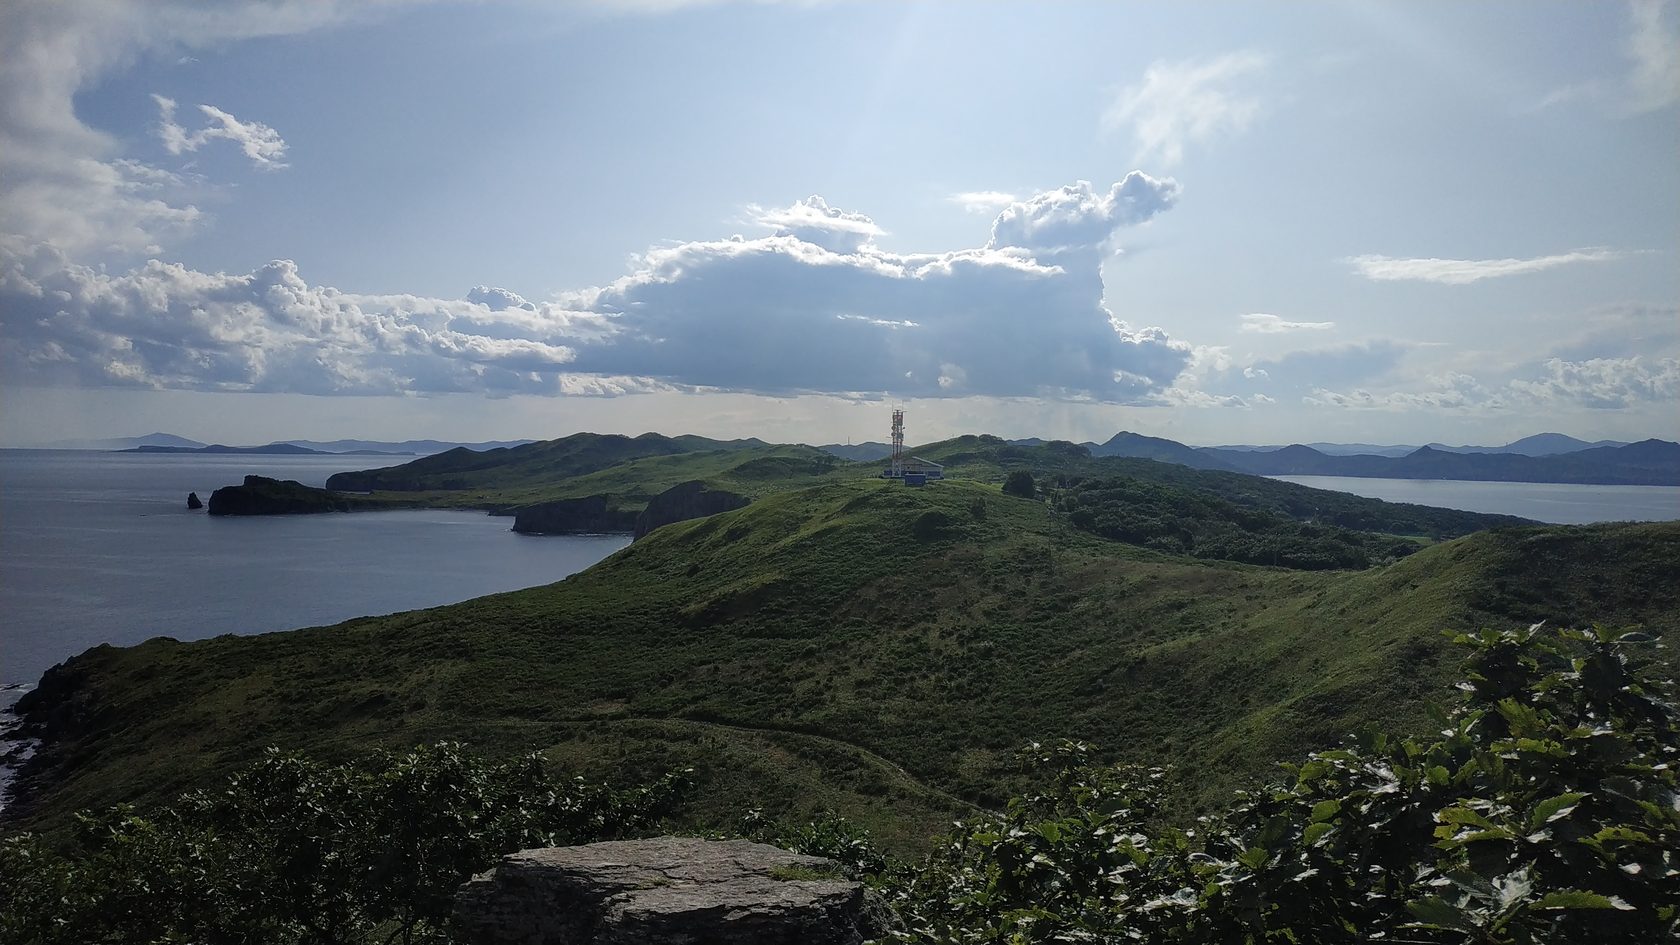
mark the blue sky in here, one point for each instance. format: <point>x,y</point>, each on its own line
<point>1220,223</point>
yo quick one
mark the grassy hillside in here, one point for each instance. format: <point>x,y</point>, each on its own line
<point>625,472</point>
<point>534,464</point>
<point>859,646</point>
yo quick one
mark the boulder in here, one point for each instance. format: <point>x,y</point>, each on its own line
<point>193,502</point>
<point>684,501</point>
<point>666,891</point>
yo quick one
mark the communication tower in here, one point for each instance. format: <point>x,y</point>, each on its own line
<point>898,445</point>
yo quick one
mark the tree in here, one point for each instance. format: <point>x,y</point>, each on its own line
<point>1020,482</point>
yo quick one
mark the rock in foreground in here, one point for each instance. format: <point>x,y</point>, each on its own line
<point>666,891</point>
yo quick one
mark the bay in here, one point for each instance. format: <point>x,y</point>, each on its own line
<point>100,548</point>
<point>1557,503</point>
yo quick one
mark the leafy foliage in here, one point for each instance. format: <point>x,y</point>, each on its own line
<point>1020,483</point>
<point>1545,811</point>
<point>292,850</point>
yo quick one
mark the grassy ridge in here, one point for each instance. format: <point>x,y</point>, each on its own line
<point>857,646</point>
<point>626,472</point>
<point>534,464</point>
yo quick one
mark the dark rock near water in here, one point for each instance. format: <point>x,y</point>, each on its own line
<point>684,501</point>
<point>588,515</point>
<point>193,502</point>
<point>666,891</point>
<point>260,495</point>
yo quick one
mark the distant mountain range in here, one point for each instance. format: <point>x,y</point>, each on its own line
<point>1544,457</point>
<point>1540,444</point>
<point>859,452</point>
<point>1649,462</point>
<point>170,443</point>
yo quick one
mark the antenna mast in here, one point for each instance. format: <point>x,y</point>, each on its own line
<point>898,445</point>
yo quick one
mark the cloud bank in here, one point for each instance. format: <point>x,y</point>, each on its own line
<point>815,306</point>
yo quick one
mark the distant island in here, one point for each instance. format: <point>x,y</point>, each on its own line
<point>272,449</point>
<point>175,443</point>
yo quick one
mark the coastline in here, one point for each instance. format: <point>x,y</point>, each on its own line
<point>15,749</point>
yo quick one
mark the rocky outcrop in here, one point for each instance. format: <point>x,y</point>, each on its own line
<point>260,495</point>
<point>593,514</point>
<point>684,501</point>
<point>193,501</point>
<point>666,891</point>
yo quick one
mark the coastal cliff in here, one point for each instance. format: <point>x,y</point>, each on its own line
<point>260,495</point>
<point>588,515</point>
<point>684,501</point>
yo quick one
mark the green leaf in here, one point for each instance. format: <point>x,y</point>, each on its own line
<point>1324,810</point>
<point>1554,808</point>
<point>1435,912</point>
<point>1315,832</point>
<point>1463,815</point>
<point>1581,899</point>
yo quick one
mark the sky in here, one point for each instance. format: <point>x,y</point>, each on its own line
<point>1221,223</point>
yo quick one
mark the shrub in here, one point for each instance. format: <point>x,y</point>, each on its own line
<point>1020,483</point>
<point>292,850</point>
<point>1545,811</point>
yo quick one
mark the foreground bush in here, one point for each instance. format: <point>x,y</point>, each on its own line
<point>293,851</point>
<point>1545,811</point>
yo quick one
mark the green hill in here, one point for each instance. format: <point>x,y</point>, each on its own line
<point>534,464</point>
<point>860,646</point>
<point>618,476</point>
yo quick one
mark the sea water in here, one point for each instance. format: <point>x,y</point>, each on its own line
<point>100,548</point>
<point>1557,503</point>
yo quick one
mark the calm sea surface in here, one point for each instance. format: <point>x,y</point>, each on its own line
<point>100,548</point>
<point>1558,503</point>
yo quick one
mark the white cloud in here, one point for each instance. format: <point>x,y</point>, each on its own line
<point>1182,103</point>
<point>1185,395</point>
<point>982,201</point>
<point>1654,48</point>
<point>813,221</point>
<point>1272,324</point>
<point>814,307</point>
<point>498,299</point>
<point>64,182</point>
<point>1652,80</point>
<point>1077,218</point>
<point>1605,383</point>
<point>262,144</point>
<point>1441,392</point>
<point>1595,384</point>
<point>1465,271</point>
<point>166,326</point>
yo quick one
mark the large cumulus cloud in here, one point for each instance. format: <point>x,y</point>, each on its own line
<point>167,326</point>
<point>814,306</point>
